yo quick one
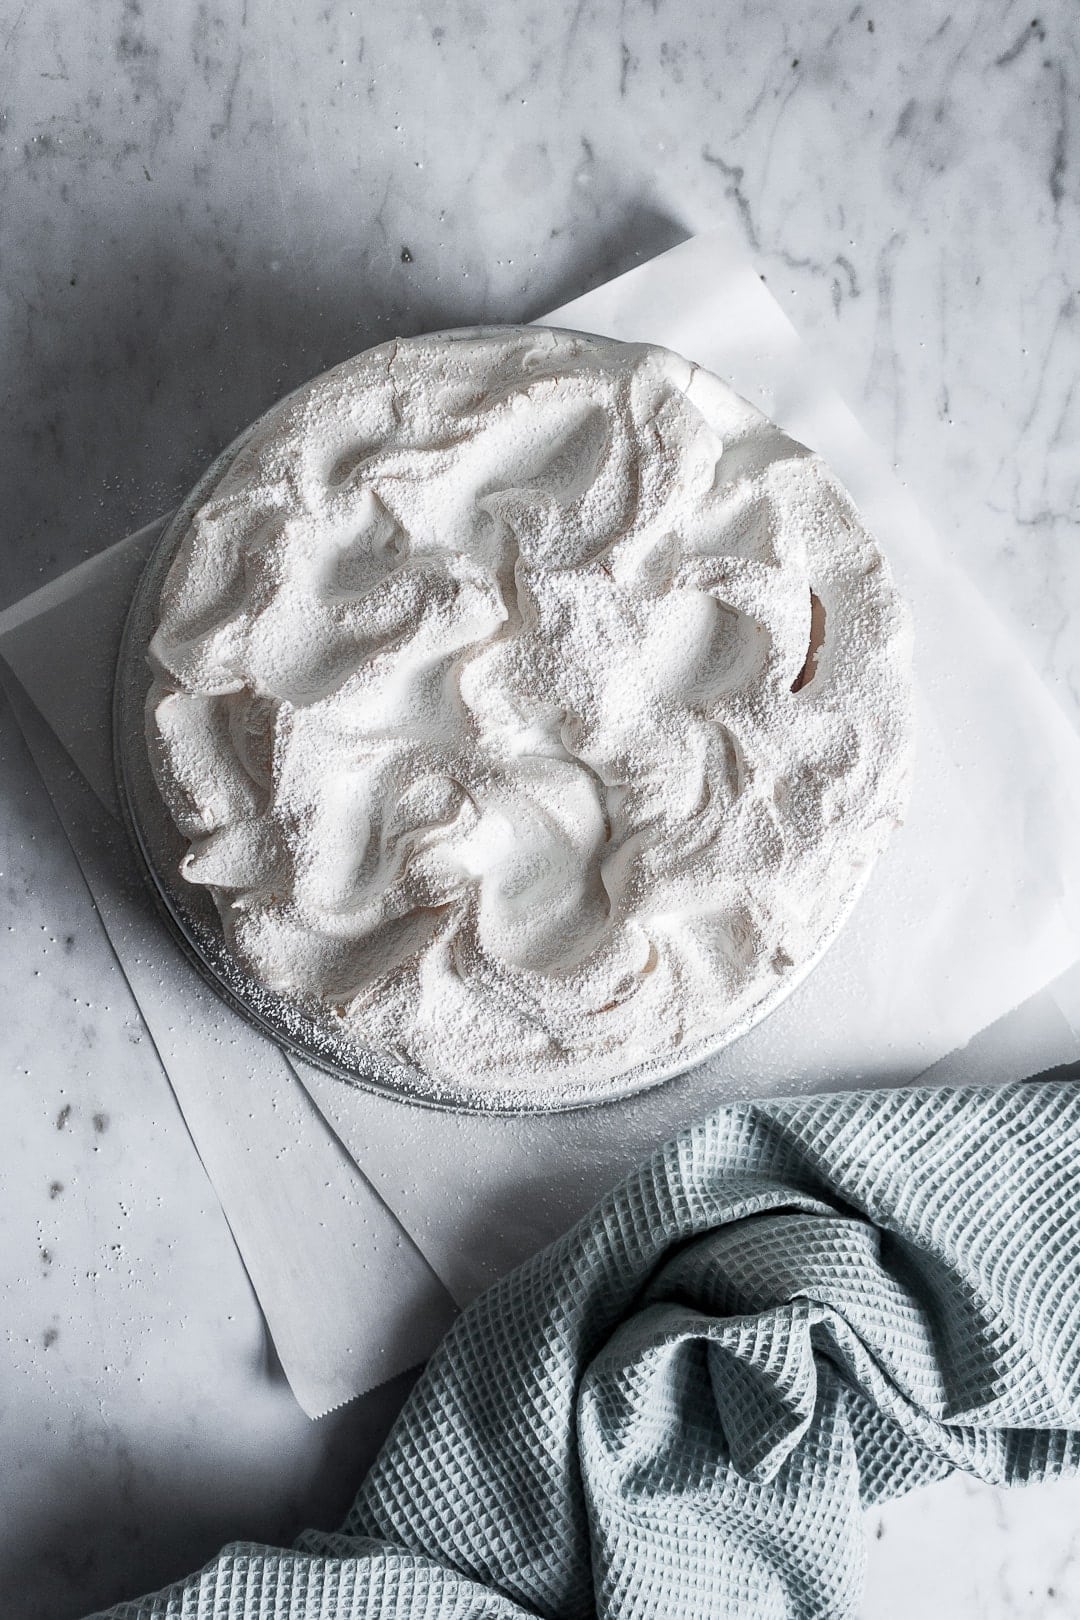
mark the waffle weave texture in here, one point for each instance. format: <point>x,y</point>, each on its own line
<point>791,1311</point>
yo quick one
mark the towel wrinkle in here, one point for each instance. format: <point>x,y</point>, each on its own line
<point>792,1311</point>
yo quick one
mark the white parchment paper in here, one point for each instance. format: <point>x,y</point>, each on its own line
<point>972,911</point>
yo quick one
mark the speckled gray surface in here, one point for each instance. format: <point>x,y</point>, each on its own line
<point>203,206</point>
<point>206,204</point>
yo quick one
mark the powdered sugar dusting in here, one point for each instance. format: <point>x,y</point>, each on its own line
<point>491,696</point>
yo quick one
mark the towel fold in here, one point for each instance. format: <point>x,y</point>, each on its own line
<point>793,1310</point>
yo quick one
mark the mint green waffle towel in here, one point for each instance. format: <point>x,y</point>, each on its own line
<point>793,1310</point>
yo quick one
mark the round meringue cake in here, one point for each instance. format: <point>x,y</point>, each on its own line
<point>531,708</point>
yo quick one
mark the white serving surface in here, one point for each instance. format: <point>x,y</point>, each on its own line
<point>206,203</point>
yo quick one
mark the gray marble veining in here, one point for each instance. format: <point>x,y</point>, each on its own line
<point>203,204</point>
<point>206,203</point>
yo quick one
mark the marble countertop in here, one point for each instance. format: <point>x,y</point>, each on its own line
<point>205,205</point>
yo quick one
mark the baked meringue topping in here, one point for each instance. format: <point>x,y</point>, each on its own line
<point>532,707</point>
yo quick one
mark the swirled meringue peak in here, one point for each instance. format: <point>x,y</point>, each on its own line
<point>532,707</point>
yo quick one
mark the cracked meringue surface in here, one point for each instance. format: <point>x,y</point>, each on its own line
<point>532,707</point>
